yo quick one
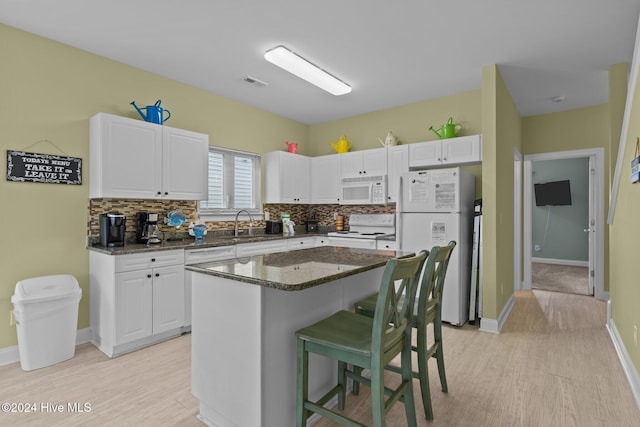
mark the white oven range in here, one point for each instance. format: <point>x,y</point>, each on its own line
<point>364,231</point>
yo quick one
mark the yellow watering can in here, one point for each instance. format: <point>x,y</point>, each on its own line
<point>343,144</point>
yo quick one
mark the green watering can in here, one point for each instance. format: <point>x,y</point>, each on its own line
<point>447,130</point>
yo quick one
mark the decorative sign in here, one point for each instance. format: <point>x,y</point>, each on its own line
<point>47,168</point>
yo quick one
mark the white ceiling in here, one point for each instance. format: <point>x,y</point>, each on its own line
<point>391,52</point>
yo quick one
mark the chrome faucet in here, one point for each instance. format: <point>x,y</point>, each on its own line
<point>250,221</point>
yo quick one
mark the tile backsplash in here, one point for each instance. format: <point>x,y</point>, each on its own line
<point>298,213</point>
<point>130,208</point>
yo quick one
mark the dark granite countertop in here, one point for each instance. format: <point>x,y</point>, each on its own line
<point>209,241</point>
<point>300,269</point>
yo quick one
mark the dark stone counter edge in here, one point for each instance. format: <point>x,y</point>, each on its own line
<point>190,243</point>
<point>293,287</point>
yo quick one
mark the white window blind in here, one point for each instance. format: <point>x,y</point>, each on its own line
<point>234,182</point>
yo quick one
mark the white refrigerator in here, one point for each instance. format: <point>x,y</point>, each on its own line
<point>434,207</point>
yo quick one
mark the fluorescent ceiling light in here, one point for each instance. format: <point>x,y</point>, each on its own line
<point>297,65</point>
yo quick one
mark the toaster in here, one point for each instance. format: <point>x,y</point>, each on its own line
<point>273,227</point>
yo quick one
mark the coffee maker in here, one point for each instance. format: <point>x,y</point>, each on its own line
<point>112,227</point>
<point>148,228</point>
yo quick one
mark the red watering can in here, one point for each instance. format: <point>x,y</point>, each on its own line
<point>292,147</point>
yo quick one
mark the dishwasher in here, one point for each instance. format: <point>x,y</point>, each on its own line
<point>197,256</point>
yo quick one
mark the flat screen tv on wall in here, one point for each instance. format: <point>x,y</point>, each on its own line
<point>556,193</point>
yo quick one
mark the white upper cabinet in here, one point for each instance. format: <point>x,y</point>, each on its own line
<point>451,151</point>
<point>397,163</point>
<point>185,166</point>
<point>287,177</point>
<point>363,163</point>
<point>134,159</point>
<point>325,179</point>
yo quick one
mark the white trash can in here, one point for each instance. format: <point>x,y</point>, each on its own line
<point>46,313</point>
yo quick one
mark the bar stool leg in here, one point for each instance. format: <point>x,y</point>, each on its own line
<point>302,389</point>
<point>423,372</point>
<point>437,333</point>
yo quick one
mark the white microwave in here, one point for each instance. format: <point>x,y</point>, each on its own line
<point>366,190</point>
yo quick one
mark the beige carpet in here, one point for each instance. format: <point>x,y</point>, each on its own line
<point>560,278</point>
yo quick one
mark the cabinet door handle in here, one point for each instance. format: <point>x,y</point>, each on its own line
<point>166,193</point>
<point>148,276</point>
<point>159,193</point>
<point>445,159</point>
<point>153,260</point>
<point>157,274</point>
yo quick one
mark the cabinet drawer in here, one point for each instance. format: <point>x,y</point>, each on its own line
<point>352,243</point>
<point>195,256</point>
<point>249,249</point>
<point>390,245</point>
<point>301,243</point>
<point>148,260</point>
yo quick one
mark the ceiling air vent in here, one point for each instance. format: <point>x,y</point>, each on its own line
<point>255,81</point>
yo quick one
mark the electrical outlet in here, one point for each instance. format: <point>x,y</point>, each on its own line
<point>266,216</point>
<point>635,335</point>
<point>12,319</point>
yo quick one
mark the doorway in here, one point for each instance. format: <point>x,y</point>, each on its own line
<point>592,225</point>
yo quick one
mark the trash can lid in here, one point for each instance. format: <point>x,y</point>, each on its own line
<point>45,287</point>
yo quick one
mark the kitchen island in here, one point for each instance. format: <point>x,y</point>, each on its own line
<point>245,313</point>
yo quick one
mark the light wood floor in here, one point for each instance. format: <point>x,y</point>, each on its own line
<point>552,365</point>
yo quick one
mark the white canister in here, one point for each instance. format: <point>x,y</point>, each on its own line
<point>285,222</point>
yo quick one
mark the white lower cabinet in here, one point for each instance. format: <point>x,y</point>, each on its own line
<point>136,300</point>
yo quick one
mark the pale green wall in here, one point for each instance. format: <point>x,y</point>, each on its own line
<point>501,134</point>
<point>624,285</point>
<point>577,129</point>
<point>618,79</point>
<point>49,91</point>
<point>410,123</point>
<point>567,130</point>
<point>559,230</point>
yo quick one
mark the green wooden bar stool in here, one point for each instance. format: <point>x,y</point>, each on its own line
<point>428,309</point>
<point>365,342</point>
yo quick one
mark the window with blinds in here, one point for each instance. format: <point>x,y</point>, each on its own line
<point>234,182</point>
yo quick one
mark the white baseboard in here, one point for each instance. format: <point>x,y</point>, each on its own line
<point>570,262</point>
<point>627,365</point>
<point>495,325</point>
<point>11,354</point>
